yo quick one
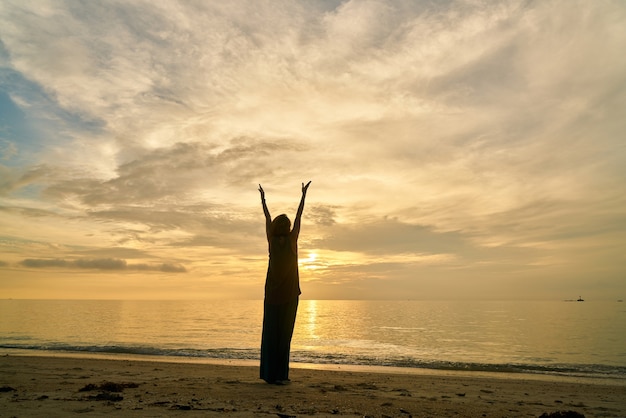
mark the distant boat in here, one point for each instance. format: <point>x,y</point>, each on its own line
<point>580,299</point>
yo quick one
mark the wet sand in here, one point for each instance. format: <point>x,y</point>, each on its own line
<point>61,387</point>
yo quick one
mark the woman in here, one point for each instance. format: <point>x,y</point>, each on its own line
<point>282,289</point>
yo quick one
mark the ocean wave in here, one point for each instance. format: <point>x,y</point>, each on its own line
<point>315,357</point>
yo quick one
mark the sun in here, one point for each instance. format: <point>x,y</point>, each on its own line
<point>309,263</point>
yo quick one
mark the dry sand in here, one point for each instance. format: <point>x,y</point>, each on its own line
<point>61,387</point>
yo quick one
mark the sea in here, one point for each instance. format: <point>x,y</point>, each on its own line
<point>550,338</point>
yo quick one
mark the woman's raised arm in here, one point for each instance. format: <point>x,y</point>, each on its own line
<point>268,218</point>
<point>296,223</point>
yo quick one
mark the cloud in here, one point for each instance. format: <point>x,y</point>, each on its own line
<point>323,215</point>
<point>171,268</point>
<point>7,149</point>
<point>468,132</point>
<point>179,172</point>
<point>12,179</point>
<point>39,263</point>
<point>391,236</point>
<point>115,264</point>
<point>27,212</point>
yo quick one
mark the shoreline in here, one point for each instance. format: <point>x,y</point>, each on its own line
<point>357,368</point>
<point>45,385</point>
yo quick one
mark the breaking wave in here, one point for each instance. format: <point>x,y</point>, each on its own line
<point>312,357</point>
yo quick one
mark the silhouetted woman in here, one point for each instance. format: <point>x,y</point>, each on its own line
<point>282,290</point>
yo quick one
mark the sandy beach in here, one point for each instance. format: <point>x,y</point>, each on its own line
<point>60,387</point>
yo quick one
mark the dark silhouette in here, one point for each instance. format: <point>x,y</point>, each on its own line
<point>282,291</point>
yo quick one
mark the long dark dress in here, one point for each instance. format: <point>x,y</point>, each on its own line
<point>282,289</point>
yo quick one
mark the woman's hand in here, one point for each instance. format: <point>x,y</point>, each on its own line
<point>304,188</point>
<point>262,192</point>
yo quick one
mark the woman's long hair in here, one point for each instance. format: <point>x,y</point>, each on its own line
<point>281,225</point>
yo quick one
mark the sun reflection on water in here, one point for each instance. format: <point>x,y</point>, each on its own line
<point>310,327</point>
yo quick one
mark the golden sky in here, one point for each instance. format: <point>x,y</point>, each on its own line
<point>457,149</point>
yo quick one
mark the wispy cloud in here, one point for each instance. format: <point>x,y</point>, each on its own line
<point>485,136</point>
<point>100,264</point>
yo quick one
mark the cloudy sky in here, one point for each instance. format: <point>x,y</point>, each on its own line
<point>457,149</point>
